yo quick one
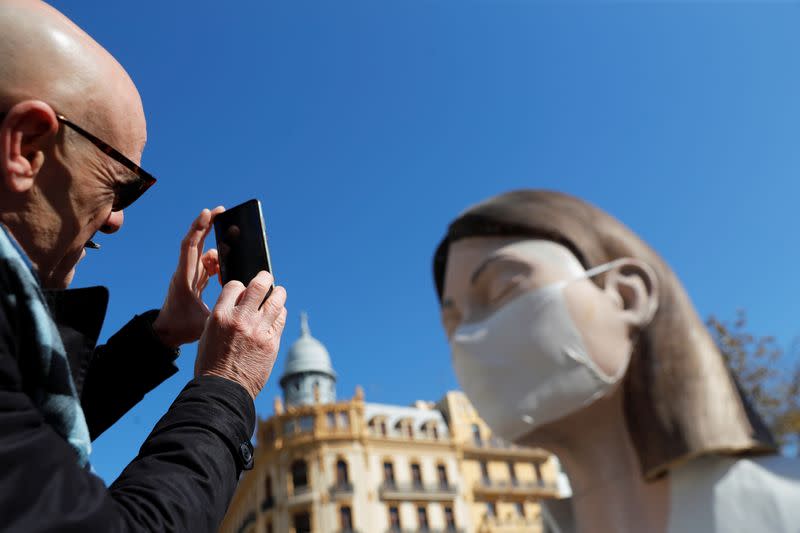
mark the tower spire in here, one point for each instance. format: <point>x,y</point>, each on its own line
<point>305,331</point>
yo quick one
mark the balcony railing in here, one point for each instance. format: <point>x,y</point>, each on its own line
<point>342,488</point>
<point>425,530</point>
<point>513,524</point>
<point>497,446</point>
<point>516,487</point>
<point>301,495</point>
<point>302,489</point>
<point>403,491</point>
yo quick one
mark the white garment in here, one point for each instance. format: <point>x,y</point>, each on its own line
<point>721,494</point>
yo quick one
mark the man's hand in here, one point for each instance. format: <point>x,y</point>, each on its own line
<point>241,341</point>
<point>183,315</point>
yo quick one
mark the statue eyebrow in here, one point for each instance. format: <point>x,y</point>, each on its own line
<point>491,261</point>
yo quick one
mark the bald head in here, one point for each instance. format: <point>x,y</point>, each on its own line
<point>44,56</point>
<point>57,189</point>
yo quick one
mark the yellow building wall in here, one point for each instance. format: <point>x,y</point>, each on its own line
<point>364,451</point>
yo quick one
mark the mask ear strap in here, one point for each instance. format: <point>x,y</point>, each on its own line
<point>600,269</point>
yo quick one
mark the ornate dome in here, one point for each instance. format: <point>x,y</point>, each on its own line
<point>307,355</point>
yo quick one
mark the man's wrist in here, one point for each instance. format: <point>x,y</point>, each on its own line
<point>164,333</point>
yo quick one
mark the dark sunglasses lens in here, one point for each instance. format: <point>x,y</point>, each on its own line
<point>130,192</point>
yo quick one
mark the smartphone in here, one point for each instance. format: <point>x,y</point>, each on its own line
<point>242,243</point>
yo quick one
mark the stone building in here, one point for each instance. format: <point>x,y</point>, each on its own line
<point>325,465</point>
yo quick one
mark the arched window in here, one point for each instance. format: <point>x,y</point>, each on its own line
<point>485,473</point>
<point>476,435</point>
<point>441,472</point>
<point>388,473</point>
<point>299,475</point>
<point>431,430</point>
<point>342,475</point>
<point>416,475</point>
<point>346,518</point>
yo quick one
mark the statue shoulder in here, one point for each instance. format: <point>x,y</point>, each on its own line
<point>732,494</point>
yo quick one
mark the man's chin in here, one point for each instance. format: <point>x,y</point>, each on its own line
<point>59,280</point>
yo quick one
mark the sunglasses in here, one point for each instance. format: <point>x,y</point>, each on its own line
<point>126,193</point>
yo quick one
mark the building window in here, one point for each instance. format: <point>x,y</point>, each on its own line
<point>289,427</point>
<point>306,423</point>
<point>268,501</point>
<point>342,477</point>
<point>491,509</point>
<point>269,527</point>
<point>431,430</point>
<point>520,508</point>
<point>485,473</point>
<point>299,475</point>
<point>416,475</point>
<point>388,474</point>
<point>302,523</point>
<point>410,430</point>
<point>441,471</point>
<point>383,428</point>
<point>394,519</point>
<point>422,518</point>
<point>512,473</point>
<point>331,419</point>
<point>344,420</point>
<point>346,518</point>
<point>449,519</point>
<point>476,435</point>
<point>537,467</point>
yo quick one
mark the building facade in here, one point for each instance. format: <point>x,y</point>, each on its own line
<point>326,466</point>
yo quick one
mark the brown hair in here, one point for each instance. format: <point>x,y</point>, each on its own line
<point>681,400</point>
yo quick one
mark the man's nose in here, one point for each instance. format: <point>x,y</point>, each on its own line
<point>113,222</point>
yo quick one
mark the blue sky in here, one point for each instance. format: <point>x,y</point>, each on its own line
<point>365,127</point>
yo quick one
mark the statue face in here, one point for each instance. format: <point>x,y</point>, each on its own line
<point>486,273</point>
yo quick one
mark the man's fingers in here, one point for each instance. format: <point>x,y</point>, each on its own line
<point>256,290</point>
<point>193,242</point>
<point>279,322</point>
<point>210,261</point>
<point>230,294</point>
<point>202,282</point>
<point>188,257</point>
<point>272,307</point>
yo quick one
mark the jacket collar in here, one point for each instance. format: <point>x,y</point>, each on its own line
<point>79,316</point>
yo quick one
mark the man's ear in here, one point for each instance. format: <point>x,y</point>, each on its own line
<point>634,284</point>
<point>25,133</point>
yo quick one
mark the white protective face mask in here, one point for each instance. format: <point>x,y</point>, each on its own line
<point>526,365</point>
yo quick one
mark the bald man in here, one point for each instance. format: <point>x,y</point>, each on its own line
<point>72,131</point>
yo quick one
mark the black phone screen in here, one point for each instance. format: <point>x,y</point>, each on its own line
<point>241,242</point>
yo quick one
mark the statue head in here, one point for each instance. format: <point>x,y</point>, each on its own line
<point>630,312</point>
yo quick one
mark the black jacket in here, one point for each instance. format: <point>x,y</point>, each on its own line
<point>186,470</point>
